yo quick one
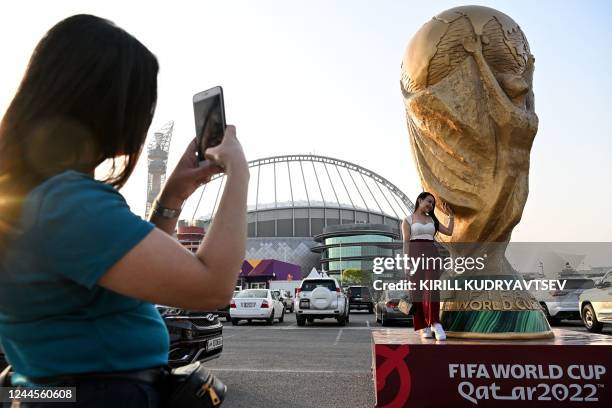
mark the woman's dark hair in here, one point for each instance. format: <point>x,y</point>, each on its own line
<point>88,94</point>
<point>432,214</point>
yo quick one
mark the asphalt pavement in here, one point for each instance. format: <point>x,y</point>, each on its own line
<point>320,365</point>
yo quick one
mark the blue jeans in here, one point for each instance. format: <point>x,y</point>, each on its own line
<point>115,393</point>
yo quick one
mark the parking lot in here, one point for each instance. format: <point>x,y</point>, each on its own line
<point>320,365</point>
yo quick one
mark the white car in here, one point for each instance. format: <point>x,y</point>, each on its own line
<point>285,297</point>
<point>563,304</point>
<point>320,298</point>
<point>256,304</point>
<point>596,304</point>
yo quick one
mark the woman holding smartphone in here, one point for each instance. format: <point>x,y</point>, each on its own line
<point>79,272</point>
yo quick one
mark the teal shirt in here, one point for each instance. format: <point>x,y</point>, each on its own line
<point>54,318</point>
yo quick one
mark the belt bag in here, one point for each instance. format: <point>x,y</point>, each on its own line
<point>192,386</point>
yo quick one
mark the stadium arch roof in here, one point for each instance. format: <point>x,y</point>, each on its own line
<point>306,181</point>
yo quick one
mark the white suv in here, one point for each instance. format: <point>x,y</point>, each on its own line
<point>596,304</point>
<point>320,298</point>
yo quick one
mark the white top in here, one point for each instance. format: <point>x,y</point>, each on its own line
<point>421,231</point>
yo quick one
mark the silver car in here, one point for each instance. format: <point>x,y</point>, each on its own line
<point>286,298</point>
<point>596,305</point>
<point>386,309</point>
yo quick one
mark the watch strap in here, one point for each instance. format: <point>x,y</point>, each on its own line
<point>163,212</point>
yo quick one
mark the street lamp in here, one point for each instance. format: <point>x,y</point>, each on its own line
<point>341,269</point>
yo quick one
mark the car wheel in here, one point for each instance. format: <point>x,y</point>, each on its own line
<point>292,308</point>
<point>551,320</point>
<point>228,318</point>
<point>235,322</point>
<point>370,310</point>
<point>310,319</point>
<point>590,319</point>
<point>301,320</point>
<point>383,321</point>
<point>249,321</point>
<point>280,319</point>
<point>270,320</point>
<point>341,320</point>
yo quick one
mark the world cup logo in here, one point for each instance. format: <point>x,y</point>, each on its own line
<point>393,379</point>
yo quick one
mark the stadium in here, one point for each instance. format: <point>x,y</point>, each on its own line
<point>315,211</point>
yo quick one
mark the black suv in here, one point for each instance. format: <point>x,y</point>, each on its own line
<point>194,336</point>
<point>360,298</point>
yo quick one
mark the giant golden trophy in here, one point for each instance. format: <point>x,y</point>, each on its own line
<point>467,84</point>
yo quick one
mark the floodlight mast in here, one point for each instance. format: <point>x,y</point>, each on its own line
<point>157,159</point>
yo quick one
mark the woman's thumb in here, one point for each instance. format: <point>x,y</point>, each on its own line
<point>206,169</point>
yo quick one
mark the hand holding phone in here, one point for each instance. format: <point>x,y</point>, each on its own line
<point>209,111</point>
<point>229,155</point>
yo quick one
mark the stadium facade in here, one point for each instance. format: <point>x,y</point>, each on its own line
<point>316,211</point>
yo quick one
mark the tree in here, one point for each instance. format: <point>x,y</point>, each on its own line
<point>352,276</point>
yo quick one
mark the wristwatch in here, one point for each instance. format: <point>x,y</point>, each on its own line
<point>163,212</point>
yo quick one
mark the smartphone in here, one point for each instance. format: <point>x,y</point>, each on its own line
<point>209,112</point>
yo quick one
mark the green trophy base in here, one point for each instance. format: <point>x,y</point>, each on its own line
<point>496,324</point>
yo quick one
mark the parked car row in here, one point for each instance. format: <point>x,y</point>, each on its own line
<point>316,298</point>
<point>322,298</point>
<point>581,299</point>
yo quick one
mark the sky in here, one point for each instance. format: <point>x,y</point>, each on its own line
<point>322,77</point>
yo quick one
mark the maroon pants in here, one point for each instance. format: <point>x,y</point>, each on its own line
<point>426,307</point>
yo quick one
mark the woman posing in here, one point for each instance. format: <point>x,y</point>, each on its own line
<point>418,231</point>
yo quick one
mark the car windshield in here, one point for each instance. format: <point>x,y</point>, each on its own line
<point>309,286</point>
<point>357,291</point>
<point>579,284</point>
<point>252,293</point>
